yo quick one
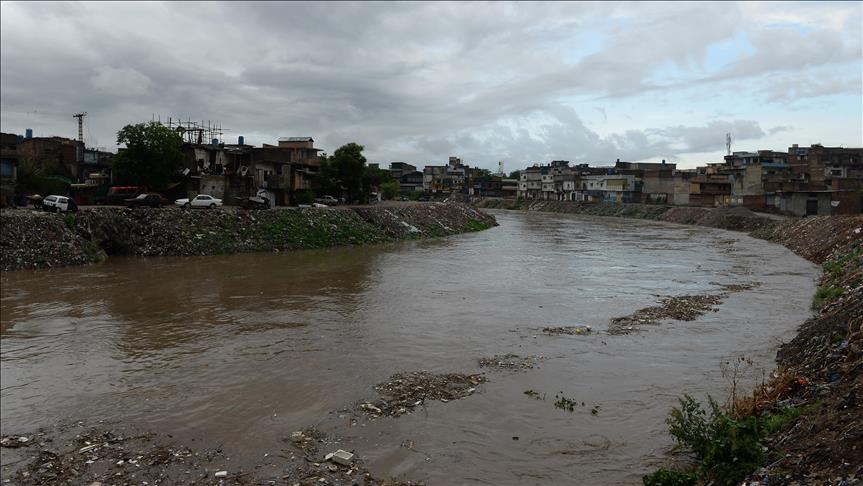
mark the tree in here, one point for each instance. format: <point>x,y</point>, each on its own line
<point>374,179</point>
<point>389,189</point>
<point>516,174</point>
<point>482,175</point>
<point>347,168</point>
<point>153,154</point>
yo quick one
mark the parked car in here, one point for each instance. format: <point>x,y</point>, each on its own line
<point>151,199</point>
<point>118,194</point>
<point>200,201</point>
<point>258,201</point>
<point>328,200</point>
<point>59,204</point>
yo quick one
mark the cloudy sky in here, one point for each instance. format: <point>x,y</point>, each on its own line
<point>521,83</point>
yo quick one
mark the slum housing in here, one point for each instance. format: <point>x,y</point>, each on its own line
<point>803,181</point>
<point>225,171</point>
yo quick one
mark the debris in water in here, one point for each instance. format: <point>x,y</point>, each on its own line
<point>510,362</point>
<point>405,391</point>
<point>680,308</point>
<point>567,330</point>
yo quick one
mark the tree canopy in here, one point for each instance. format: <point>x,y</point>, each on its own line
<point>152,156</point>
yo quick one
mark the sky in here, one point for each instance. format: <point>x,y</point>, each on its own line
<point>520,83</point>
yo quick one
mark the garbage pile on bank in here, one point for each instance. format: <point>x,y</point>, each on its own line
<point>821,371</point>
<point>429,220</point>
<point>34,239</point>
<point>404,392</point>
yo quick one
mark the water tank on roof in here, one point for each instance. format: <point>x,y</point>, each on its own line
<point>20,138</point>
<point>215,141</point>
<point>240,140</point>
<point>29,133</point>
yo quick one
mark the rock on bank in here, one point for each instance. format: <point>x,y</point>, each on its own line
<point>32,239</point>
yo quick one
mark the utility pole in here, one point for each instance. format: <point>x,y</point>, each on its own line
<point>80,151</point>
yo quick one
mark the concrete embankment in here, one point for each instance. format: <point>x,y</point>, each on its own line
<point>32,239</point>
<point>821,369</point>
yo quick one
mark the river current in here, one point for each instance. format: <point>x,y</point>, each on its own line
<point>242,350</point>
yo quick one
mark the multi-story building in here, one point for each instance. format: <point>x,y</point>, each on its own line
<point>8,168</point>
<point>530,183</point>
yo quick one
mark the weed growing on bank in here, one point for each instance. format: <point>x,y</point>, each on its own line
<point>727,448</point>
<point>824,295</point>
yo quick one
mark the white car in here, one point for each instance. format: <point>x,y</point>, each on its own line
<point>200,201</point>
<point>59,204</point>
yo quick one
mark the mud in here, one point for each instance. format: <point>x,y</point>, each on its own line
<point>103,455</point>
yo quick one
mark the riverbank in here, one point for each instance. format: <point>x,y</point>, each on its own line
<point>820,370</point>
<point>736,219</point>
<point>33,239</point>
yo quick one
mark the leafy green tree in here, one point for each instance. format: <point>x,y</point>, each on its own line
<point>374,179</point>
<point>152,156</point>
<point>389,190</point>
<point>348,167</point>
<point>482,175</point>
<point>516,174</point>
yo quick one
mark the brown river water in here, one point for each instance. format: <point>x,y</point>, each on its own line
<point>242,350</point>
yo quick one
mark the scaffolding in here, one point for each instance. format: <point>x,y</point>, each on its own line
<point>194,132</point>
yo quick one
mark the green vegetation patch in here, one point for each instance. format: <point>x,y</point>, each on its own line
<point>825,295</point>
<point>727,448</point>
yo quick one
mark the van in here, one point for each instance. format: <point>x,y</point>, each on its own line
<point>117,195</point>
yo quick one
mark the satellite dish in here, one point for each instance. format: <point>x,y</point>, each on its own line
<point>835,204</point>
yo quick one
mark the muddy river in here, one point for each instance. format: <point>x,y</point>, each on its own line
<point>242,350</point>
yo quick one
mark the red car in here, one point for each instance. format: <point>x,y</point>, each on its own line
<point>152,200</point>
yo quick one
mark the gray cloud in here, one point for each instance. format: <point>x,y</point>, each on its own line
<point>411,81</point>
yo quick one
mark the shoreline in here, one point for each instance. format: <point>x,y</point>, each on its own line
<point>37,240</point>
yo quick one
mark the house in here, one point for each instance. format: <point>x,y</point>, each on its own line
<point>530,183</point>
<point>8,168</point>
<point>509,188</point>
<point>54,156</point>
<point>411,182</point>
<point>709,189</point>
<point>451,178</point>
<point>398,169</point>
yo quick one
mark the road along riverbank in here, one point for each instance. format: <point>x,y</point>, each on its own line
<point>33,239</point>
<point>820,371</point>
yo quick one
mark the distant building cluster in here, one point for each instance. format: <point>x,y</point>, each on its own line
<point>802,181</point>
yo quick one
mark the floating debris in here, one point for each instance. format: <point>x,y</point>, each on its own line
<point>406,391</point>
<point>13,441</point>
<point>567,330</point>
<point>681,308</point>
<point>510,362</point>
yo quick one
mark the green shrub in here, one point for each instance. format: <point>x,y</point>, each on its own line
<point>306,196</point>
<point>668,477</point>
<point>728,448</point>
<point>824,295</point>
